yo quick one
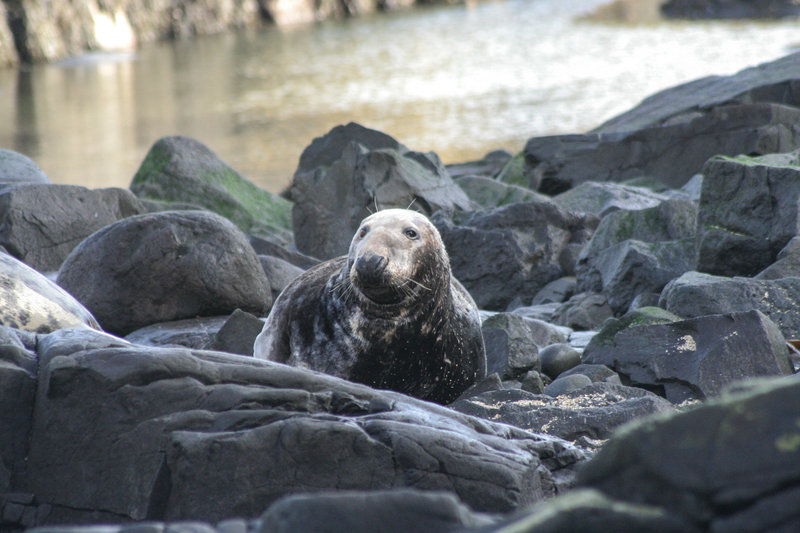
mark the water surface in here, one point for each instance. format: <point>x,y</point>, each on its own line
<point>459,80</point>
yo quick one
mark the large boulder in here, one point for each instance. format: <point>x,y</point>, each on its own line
<point>126,432</point>
<point>635,252</point>
<point>352,171</point>
<point>696,294</point>
<point>602,198</point>
<point>165,266</point>
<point>41,223</point>
<point>513,343</point>
<point>732,464</point>
<point>508,254</point>
<point>671,153</point>
<point>182,170</point>
<point>748,212</point>
<point>787,263</point>
<point>692,359</point>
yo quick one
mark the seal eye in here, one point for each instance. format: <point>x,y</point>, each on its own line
<point>411,233</point>
<point>362,231</point>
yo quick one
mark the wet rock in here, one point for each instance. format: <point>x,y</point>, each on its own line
<point>593,411</point>
<point>590,511</point>
<point>238,333</point>
<point>18,373</point>
<point>508,254</point>
<point>596,373</point>
<point>183,170</point>
<point>352,171</point>
<point>556,291</point>
<point>513,343</point>
<point>165,266</point>
<point>695,358</point>
<point>696,294</point>
<point>748,212</point>
<point>672,153</point>
<point>634,252</point>
<point>16,168</point>
<point>264,246</point>
<point>490,166</point>
<point>42,223</point>
<point>772,82</point>
<point>727,465</point>
<point>729,9</point>
<point>584,311</point>
<point>279,272</point>
<point>787,263</point>
<point>558,358</point>
<point>198,333</point>
<point>175,434</point>
<point>602,198</point>
<point>487,192</point>
<point>567,384</point>
<point>398,511</point>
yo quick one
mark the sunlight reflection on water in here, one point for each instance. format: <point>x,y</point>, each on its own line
<point>459,81</point>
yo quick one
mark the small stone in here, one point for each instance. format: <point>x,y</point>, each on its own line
<point>567,384</point>
<point>558,358</point>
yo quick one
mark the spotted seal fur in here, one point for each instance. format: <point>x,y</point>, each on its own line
<point>31,302</point>
<point>389,314</point>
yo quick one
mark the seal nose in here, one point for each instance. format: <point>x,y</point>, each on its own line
<point>370,267</point>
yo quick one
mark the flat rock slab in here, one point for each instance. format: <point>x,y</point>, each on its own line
<point>594,411</point>
<point>695,358</point>
<point>139,433</point>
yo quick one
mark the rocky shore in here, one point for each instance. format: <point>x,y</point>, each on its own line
<point>638,286</point>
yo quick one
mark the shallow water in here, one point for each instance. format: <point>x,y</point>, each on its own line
<point>459,80</point>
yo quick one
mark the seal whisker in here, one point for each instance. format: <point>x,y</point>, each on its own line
<point>417,283</point>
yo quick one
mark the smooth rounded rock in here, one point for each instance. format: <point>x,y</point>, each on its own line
<point>558,358</point>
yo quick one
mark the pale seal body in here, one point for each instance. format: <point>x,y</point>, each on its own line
<point>389,314</point>
<point>31,302</point>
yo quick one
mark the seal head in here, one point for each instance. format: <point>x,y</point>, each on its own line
<point>389,314</point>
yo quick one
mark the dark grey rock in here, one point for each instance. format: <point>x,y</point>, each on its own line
<point>596,373</point>
<point>352,171</point>
<point>185,171</point>
<point>729,9</point>
<point>532,382</point>
<point>490,166</point>
<point>18,168</point>
<point>558,358</point>
<point>165,266</point>
<point>398,511</point>
<point>787,263</point>
<point>671,153</point>
<point>238,333</point>
<point>602,198</point>
<point>695,358</point>
<point>18,373</point>
<point>696,294</point>
<point>543,312</point>
<point>633,252</point>
<point>593,411</point>
<point>644,299</point>
<point>488,192</point>
<point>772,82</point>
<point>584,311</point>
<point>556,291</point>
<point>264,246</point>
<point>197,333</point>
<point>279,272</point>
<point>175,434</point>
<point>748,212</point>
<point>41,224</point>
<point>513,343</point>
<point>509,253</point>
<point>590,511</point>
<point>567,384</point>
<point>728,465</point>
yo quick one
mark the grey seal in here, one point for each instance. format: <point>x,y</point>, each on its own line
<point>389,314</point>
